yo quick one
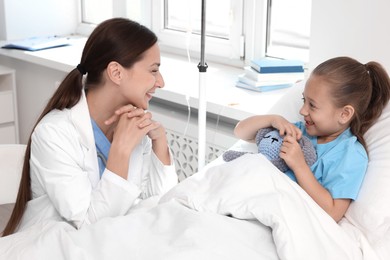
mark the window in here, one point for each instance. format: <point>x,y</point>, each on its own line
<point>288,34</point>
<point>178,26</point>
<point>102,10</point>
<point>95,11</point>
<point>185,16</point>
<point>236,30</point>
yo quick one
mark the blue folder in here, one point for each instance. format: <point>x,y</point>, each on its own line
<point>38,43</point>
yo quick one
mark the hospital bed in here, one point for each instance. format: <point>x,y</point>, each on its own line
<point>244,209</point>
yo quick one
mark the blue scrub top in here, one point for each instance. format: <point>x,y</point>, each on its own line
<point>341,164</point>
<point>103,146</point>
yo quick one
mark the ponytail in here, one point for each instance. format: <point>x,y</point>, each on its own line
<point>380,95</point>
<point>66,96</point>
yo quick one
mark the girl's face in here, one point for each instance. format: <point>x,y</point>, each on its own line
<point>142,79</point>
<point>322,117</point>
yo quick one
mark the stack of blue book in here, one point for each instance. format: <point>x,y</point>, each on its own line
<point>270,74</point>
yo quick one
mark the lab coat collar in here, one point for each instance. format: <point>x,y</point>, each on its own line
<point>82,121</point>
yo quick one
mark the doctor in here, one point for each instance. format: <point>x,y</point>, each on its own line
<point>96,150</point>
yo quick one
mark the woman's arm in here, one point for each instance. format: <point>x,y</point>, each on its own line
<point>160,143</point>
<point>127,135</point>
<point>158,172</point>
<point>61,168</point>
<point>147,126</point>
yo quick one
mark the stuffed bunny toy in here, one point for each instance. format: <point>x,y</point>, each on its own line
<point>269,141</point>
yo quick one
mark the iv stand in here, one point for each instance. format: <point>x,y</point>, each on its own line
<point>202,66</point>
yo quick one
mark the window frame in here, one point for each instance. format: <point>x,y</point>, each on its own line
<point>119,10</point>
<point>216,49</point>
<point>251,34</point>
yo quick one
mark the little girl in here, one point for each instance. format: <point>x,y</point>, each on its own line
<point>342,99</point>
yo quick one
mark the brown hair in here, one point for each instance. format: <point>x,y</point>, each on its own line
<point>366,87</point>
<point>117,39</point>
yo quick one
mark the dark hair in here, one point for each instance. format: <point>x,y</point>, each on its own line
<point>117,39</point>
<point>366,87</point>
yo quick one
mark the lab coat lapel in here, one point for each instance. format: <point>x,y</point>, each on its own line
<point>82,122</point>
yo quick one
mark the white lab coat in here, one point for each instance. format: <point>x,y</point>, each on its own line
<point>65,179</point>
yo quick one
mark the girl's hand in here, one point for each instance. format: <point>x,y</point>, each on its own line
<point>286,128</point>
<point>291,153</point>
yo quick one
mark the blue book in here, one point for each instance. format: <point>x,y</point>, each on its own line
<point>263,88</point>
<point>250,73</point>
<point>269,65</point>
<point>258,83</point>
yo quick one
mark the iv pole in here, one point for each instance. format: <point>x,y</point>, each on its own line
<point>202,66</point>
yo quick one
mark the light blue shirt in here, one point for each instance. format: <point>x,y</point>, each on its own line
<point>103,146</point>
<point>341,164</point>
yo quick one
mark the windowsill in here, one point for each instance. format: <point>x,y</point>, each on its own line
<point>181,81</point>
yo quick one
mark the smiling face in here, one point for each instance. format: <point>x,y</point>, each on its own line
<point>322,118</point>
<point>140,82</point>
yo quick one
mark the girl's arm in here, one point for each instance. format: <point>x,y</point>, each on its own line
<point>336,208</point>
<point>292,154</point>
<point>246,129</point>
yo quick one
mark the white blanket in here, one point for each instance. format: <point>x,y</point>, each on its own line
<point>273,218</point>
<point>250,187</point>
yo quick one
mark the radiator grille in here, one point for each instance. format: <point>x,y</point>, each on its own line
<point>185,153</point>
<point>182,136</point>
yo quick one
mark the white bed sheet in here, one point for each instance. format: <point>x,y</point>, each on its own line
<point>272,219</point>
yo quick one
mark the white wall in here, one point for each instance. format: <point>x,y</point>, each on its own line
<point>21,19</point>
<point>356,28</point>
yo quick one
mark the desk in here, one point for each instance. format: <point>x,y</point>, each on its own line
<point>181,80</point>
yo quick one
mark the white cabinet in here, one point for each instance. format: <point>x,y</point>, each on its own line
<point>9,131</point>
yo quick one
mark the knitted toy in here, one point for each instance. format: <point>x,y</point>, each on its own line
<point>268,143</point>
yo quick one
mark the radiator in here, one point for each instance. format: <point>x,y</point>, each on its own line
<point>182,136</point>
<point>185,152</point>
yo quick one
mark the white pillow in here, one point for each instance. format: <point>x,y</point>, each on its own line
<point>370,213</point>
<point>290,104</point>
